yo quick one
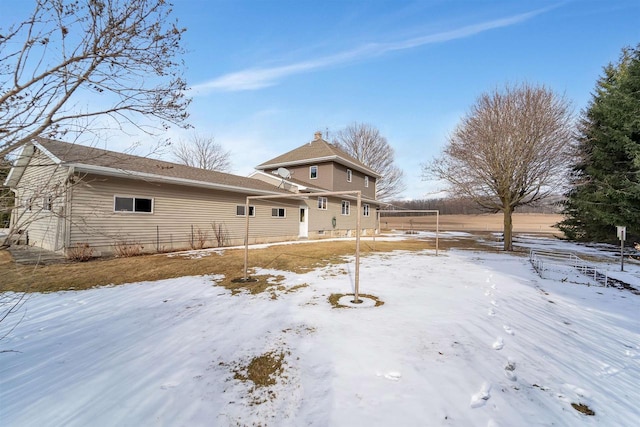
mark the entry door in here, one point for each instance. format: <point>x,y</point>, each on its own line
<point>304,223</point>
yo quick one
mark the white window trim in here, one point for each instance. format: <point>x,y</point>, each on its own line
<point>325,203</point>
<point>252,211</point>
<point>365,209</point>
<point>153,205</point>
<point>47,203</point>
<point>347,204</point>
<point>349,175</point>
<point>279,216</point>
<point>317,172</point>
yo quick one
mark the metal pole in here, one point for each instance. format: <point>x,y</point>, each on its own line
<point>622,253</point>
<point>357,299</point>
<point>437,230</point>
<point>246,239</point>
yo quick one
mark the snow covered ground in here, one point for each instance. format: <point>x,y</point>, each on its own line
<point>463,339</point>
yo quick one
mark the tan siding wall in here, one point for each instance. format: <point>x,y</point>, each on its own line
<point>42,179</point>
<point>333,177</point>
<point>301,173</point>
<point>176,209</point>
<point>321,221</point>
<point>357,181</point>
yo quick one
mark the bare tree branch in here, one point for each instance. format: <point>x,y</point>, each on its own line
<point>365,143</point>
<point>513,149</point>
<point>74,60</point>
<point>203,152</point>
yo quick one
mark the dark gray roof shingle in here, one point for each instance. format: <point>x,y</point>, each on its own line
<point>316,149</point>
<point>82,155</point>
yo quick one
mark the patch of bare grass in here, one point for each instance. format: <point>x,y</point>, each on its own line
<point>297,258</point>
<point>335,298</point>
<point>582,408</point>
<point>262,371</point>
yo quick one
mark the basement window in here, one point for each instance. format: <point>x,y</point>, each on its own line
<point>133,204</point>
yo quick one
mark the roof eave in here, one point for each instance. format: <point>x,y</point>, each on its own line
<point>336,158</point>
<point>120,173</point>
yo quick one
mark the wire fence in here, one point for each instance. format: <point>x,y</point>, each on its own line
<point>567,267</point>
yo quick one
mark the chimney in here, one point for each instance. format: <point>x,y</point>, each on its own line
<point>317,135</point>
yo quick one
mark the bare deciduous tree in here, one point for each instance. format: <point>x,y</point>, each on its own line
<point>365,143</point>
<point>203,152</point>
<point>82,66</point>
<point>512,149</point>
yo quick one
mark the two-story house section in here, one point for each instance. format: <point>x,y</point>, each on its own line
<point>322,165</point>
<point>319,166</point>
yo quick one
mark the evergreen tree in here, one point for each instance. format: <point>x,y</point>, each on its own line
<point>606,178</point>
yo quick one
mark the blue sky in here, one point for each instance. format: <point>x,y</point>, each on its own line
<point>267,74</point>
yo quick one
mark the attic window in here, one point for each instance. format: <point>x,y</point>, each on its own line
<point>349,175</point>
<point>132,204</point>
<point>313,172</point>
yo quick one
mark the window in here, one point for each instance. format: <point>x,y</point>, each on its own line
<point>133,204</point>
<point>366,181</point>
<point>240,210</point>
<point>322,203</point>
<point>349,175</point>
<point>313,172</point>
<point>346,207</point>
<point>47,203</point>
<point>365,210</point>
<point>28,203</point>
<point>278,212</point>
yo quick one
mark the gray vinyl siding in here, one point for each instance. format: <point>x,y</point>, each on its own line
<point>45,228</point>
<point>176,209</point>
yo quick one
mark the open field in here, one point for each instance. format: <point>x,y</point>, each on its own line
<point>522,223</point>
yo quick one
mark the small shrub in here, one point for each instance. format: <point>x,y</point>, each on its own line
<point>126,249</point>
<point>80,252</point>
<point>221,235</point>
<point>199,239</point>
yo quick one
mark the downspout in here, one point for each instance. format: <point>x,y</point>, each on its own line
<point>12,217</point>
<point>67,207</point>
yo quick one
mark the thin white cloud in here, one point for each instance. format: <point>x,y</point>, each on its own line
<point>257,78</point>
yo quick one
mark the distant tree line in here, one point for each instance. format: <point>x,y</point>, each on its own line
<point>461,206</point>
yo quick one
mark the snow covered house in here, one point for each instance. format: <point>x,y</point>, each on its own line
<point>70,195</point>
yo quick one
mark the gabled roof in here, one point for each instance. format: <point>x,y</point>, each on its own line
<point>111,163</point>
<point>317,151</point>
